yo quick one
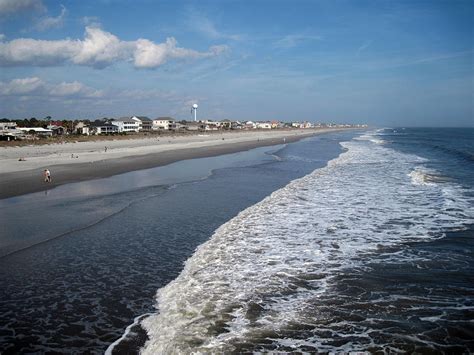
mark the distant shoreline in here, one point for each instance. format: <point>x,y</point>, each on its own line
<point>89,160</point>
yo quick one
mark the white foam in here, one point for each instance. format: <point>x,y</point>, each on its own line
<point>128,332</point>
<point>420,176</point>
<point>372,137</point>
<point>265,268</point>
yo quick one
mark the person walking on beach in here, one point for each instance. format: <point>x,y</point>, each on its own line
<point>47,175</point>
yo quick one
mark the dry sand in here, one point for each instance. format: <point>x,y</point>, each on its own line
<point>72,162</point>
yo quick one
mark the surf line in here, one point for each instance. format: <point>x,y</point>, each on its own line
<point>128,330</point>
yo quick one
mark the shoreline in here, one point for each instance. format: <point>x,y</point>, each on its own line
<point>21,178</point>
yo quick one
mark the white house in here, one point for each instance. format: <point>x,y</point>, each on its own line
<point>211,126</point>
<point>236,125</point>
<point>81,128</point>
<point>264,125</point>
<point>127,124</point>
<point>37,130</point>
<point>163,123</point>
<point>145,123</point>
<point>57,130</point>
<point>9,131</point>
<point>194,126</point>
<point>103,128</point>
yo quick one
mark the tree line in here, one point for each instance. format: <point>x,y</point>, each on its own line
<point>44,122</point>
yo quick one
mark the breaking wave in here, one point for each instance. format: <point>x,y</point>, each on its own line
<point>261,276</point>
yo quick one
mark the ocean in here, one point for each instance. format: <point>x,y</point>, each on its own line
<point>349,241</point>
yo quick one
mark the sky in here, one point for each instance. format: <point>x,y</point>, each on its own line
<point>384,63</point>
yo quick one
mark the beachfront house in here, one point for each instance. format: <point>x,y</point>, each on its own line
<point>264,125</point>
<point>211,125</point>
<point>126,124</point>
<point>276,124</point>
<point>37,131</point>
<point>236,125</point>
<point>9,131</point>
<point>250,125</point>
<point>100,127</point>
<point>296,124</point>
<point>226,124</point>
<point>81,128</point>
<point>57,130</point>
<point>144,122</point>
<point>194,126</point>
<point>163,123</point>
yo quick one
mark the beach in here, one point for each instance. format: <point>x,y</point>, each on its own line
<point>80,161</point>
<point>345,241</point>
<point>82,260</point>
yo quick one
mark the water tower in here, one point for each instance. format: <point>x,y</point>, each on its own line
<point>195,108</point>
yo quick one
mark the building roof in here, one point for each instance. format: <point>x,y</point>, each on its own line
<point>53,127</point>
<point>102,124</point>
<point>164,119</point>
<point>124,119</point>
<point>36,129</point>
<point>143,118</point>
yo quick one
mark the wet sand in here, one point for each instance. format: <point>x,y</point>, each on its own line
<point>22,177</point>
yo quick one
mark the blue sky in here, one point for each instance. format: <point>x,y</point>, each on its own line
<point>386,63</point>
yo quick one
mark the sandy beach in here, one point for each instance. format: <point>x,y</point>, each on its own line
<point>79,161</point>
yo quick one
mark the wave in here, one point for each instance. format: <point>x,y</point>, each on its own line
<point>263,272</point>
<point>372,138</point>
<point>424,176</point>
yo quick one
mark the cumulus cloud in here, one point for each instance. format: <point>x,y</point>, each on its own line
<point>150,55</point>
<point>75,89</point>
<point>101,48</point>
<point>8,7</point>
<point>52,22</point>
<point>2,37</point>
<point>27,51</point>
<point>21,86</point>
<point>98,49</point>
<point>34,86</point>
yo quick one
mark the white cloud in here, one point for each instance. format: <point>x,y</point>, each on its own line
<point>52,22</point>
<point>75,89</point>
<point>150,55</point>
<point>34,86</point>
<point>27,51</point>
<point>27,97</point>
<point>21,86</point>
<point>2,37</point>
<point>98,49</point>
<point>8,7</point>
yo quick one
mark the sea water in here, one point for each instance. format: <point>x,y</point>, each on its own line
<point>357,241</point>
<point>373,252</point>
<point>84,260</point>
